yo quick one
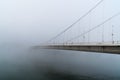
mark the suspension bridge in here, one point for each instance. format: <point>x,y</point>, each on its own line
<point>97,30</point>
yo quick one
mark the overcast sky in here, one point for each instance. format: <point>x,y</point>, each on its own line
<point>35,21</point>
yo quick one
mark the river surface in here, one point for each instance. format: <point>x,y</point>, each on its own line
<point>48,64</point>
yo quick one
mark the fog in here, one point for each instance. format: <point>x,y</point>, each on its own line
<point>26,23</point>
<point>36,21</point>
<point>33,21</point>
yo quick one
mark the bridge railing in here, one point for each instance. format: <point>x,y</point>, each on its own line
<point>100,27</point>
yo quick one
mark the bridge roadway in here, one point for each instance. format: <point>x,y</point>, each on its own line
<point>103,48</point>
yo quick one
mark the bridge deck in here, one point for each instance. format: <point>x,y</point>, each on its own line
<point>104,48</point>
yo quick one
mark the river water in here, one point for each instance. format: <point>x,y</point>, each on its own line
<point>48,64</point>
